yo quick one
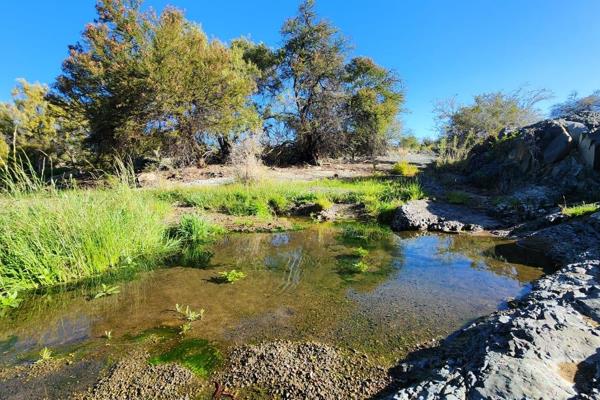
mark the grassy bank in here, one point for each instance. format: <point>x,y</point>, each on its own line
<point>51,237</point>
<point>379,195</point>
<point>55,238</point>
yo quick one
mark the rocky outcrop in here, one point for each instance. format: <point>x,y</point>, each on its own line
<point>564,152</point>
<point>432,216</point>
<point>545,348</point>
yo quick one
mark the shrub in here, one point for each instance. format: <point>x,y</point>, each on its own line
<point>245,158</point>
<point>405,169</point>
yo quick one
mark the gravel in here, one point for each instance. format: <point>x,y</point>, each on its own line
<point>132,378</point>
<point>290,370</point>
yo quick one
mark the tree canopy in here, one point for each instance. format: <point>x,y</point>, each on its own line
<point>148,82</point>
<point>144,85</point>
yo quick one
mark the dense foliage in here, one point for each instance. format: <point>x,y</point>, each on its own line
<point>155,83</point>
<point>150,86</point>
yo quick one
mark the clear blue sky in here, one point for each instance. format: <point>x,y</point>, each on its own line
<point>440,48</point>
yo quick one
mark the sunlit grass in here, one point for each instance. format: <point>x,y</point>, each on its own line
<point>266,199</point>
<point>63,237</point>
<point>581,210</point>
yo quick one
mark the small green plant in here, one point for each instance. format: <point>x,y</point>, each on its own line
<point>405,169</point>
<point>231,276</point>
<point>361,252</point>
<point>458,197</point>
<point>108,335</point>
<point>189,314</point>
<point>107,291</point>
<point>45,355</point>
<point>359,267</point>
<point>9,300</point>
<point>323,203</point>
<point>581,210</point>
<point>185,328</point>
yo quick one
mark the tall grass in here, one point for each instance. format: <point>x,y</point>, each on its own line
<point>195,234</point>
<point>63,237</point>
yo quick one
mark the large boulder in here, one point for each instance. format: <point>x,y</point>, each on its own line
<point>427,215</point>
<point>589,148</point>
<point>552,141</point>
<point>575,129</point>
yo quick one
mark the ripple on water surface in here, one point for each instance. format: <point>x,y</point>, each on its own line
<point>299,285</point>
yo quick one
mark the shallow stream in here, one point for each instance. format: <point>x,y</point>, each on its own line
<point>417,287</point>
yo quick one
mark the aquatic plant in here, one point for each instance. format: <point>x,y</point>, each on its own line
<point>231,276</point>
<point>361,252</point>
<point>185,328</point>
<point>363,234</point>
<point>359,267</point>
<point>10,299</point>
<point>198,355</point>
<point>107,291</point>
<point>195,234</point>
<point>45,355</point>
<point>188,313</point>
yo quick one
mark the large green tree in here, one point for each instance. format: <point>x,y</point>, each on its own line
<point>375,99</point>
<point>31,125</point>
<point>312,69</point>
<point>155,83</point>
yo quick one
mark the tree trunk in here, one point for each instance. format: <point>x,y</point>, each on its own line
<point>224,148</point>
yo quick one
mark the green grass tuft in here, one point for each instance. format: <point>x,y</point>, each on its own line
<point>581,210</point>
<point>405,169</point>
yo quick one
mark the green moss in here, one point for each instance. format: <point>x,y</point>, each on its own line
<point>458,197</point>
<point>197,355</point>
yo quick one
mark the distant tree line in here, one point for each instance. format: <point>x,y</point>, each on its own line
<point>142,85</point>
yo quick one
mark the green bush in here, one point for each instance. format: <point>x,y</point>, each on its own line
<point>405,169</point>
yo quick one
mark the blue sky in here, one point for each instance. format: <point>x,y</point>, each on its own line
<point>441,48</point>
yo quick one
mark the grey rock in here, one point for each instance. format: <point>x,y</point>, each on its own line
<point>524,353</point>
<point>575,129</point>
<point>433,216</point>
